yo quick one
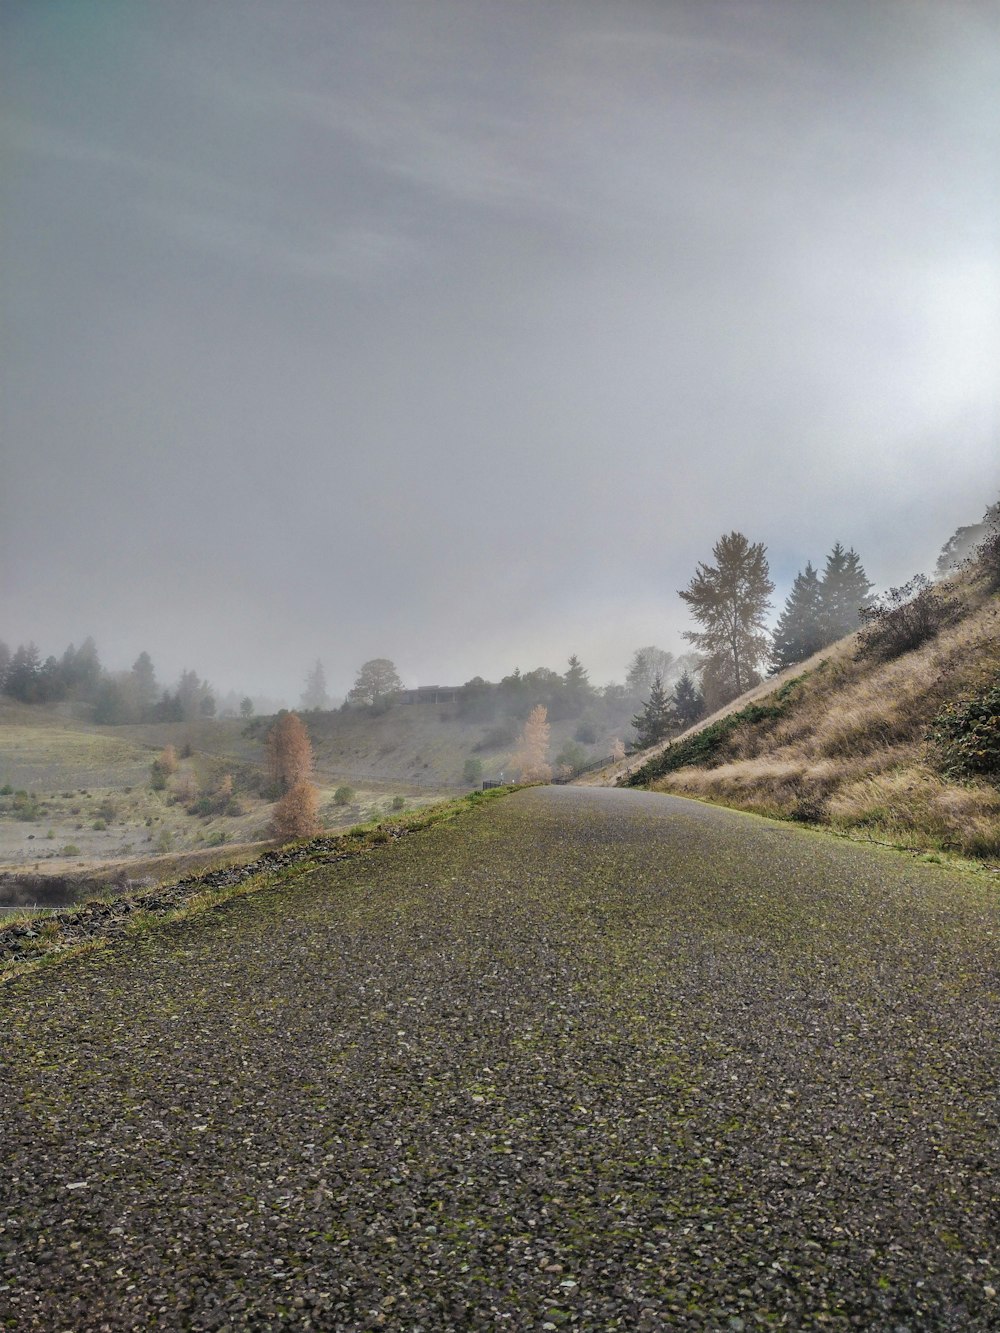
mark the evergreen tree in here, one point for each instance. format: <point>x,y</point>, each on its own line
<point>844,592</point>
<point>144,683</point>
<point>730,600</point>
<point>645,666</point>
<point>246,706</point>
<point>23,674</point>
<point>656,718</point>
<point>314,696</point>
<point>799,632</point>
<point>376,682</point>
<point>687,703</point>
<point>577,690</point>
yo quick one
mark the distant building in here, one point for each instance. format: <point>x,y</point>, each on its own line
<point>430,694</point>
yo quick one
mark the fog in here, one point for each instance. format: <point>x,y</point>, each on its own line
<point>458,333</point>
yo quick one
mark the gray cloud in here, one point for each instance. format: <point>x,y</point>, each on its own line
<point>458,333</point>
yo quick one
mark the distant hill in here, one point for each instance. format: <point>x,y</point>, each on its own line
<point>848,741</point>
<point>75,796</point>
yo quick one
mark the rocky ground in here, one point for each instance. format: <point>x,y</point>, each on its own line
<point>591,1059</point>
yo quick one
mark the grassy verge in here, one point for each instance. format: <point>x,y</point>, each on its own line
<point>26,940</point>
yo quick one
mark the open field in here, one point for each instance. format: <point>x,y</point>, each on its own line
<point>80,798</point>
<point>576,1059</point>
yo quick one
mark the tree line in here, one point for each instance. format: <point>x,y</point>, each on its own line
<point>729,599</point>
<point>117,697</point>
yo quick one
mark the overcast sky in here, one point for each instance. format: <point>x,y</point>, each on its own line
<point>458,333</point>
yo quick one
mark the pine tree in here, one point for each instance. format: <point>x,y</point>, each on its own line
<point>314,696</point>
<point>577,689</point>
<point>844,592</point>
<point>646,664</point>
<point>687,703</point>
<point>289,752</point>
<point>144,684</point>
<point>656,718</point>
<point>532,757</point>
<point>376,682</point>
<point>730,600</point>
<point>799,632</point>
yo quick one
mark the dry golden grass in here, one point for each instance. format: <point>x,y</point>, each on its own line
<point>852,752</point>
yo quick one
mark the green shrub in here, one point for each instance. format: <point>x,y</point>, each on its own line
<point>343,795</point>
<point>99,825</point>
<point>6,790</point>
<point>71,849</point>
<point>710,747</point>
<point>157,776</point>
<point>967,736</point>
<point>473,769</point>
<point>398,802</point>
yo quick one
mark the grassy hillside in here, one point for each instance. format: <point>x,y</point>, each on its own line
<point>847,741</point>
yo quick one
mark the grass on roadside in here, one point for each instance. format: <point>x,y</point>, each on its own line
<point>49,943</point>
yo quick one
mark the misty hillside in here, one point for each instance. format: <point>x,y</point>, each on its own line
<point>873,737</point>
<point>75,795</point>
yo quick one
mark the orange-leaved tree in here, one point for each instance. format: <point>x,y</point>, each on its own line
<point>295,815</point>
<point>289,752</point>
<point>532,756</point>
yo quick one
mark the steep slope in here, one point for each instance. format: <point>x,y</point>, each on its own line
<point>847,741</point>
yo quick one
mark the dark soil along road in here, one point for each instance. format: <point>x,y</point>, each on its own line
<point>588,1059</point>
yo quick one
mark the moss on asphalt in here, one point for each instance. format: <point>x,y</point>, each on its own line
<point>584,1059</point>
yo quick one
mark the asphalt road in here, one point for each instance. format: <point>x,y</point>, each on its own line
<point>579,1059</point>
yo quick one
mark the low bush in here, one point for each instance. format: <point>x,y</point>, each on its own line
<point>343,795</point>
<point>966,734</point>
<point>903,619</point>
<point>714,745</point>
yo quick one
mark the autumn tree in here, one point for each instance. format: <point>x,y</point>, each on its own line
<point>289,752</point>
<point>314,696</point>
<point>376,682</point>
<point>297,813</point>
<point>730,601</point>
<point>532,757</point>
<point>168,760</point>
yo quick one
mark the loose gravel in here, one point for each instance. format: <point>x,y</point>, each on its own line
<point>580,1059</point>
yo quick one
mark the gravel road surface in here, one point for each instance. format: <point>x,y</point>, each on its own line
<point>578,1059</point>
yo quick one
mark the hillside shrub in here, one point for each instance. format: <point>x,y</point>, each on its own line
<point>967,736</point>
<point>903,619</point>
<point>988,560</point>
<point>399,802</point>
<point>343,795</point>
<point>713,745</point>
<point>472,770</point>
